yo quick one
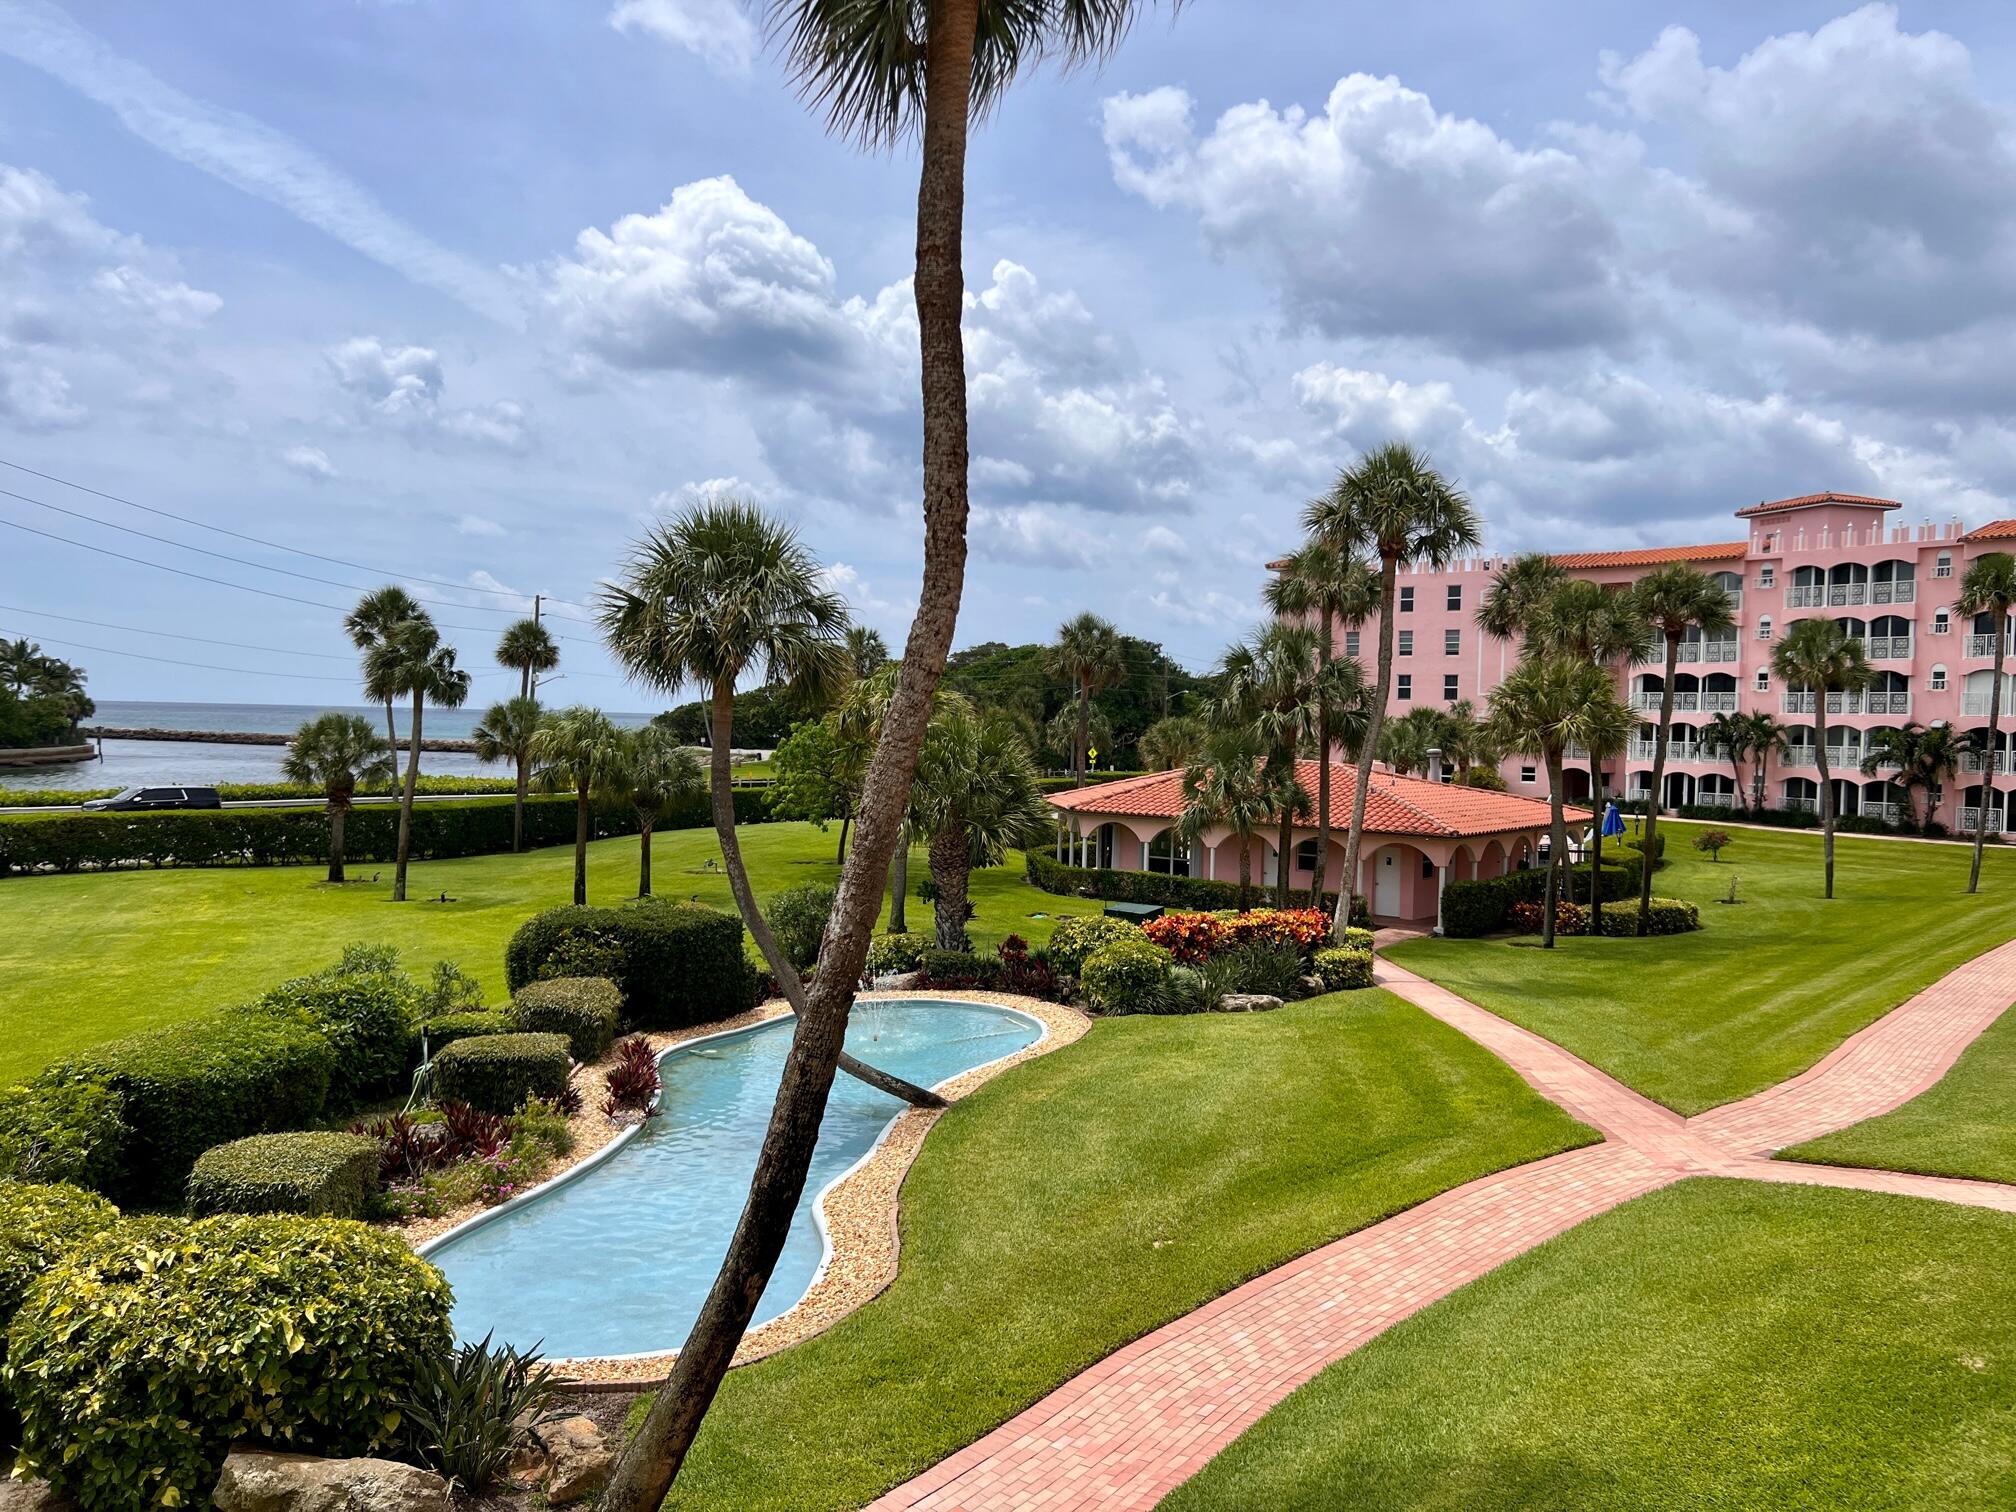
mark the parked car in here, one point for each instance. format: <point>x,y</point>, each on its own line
<point>159,798</point>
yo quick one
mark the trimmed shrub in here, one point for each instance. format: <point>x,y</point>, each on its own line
<point>142,1354</point>
<point>889,954</point>
<point>74,1132</point>
<point>1668,916</point>
<point>1302,928</point>
<point>38,1226</point>
<point>1531,918</point>
<point>958,968</point>
<point>367,1017</point>
<point>585,1009</point>
<point>191,1086</point>
<point>1054,876</point>
<point>1192,938</point>
<point>797,917</point>
<point>1357,939</point>
<point>1343,968</point>
<point>497,1072</point>
<point>322,1175</point>
<point>1482,905</point>
<point>449,1027</point>
<point>682,963</point>
<point>1126,976</point>
<point>1076,938</point>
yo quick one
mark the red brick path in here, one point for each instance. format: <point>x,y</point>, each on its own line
<point>1148,1417</point>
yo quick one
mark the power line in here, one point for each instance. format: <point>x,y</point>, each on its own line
<point>202,666</point>
<point>72,619</point>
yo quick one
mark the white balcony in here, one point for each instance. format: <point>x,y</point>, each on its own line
<point>1688,651</point>
<point>1806,598</point>
<point>1799,756</point>
<point>1984,645</point>
<point>1889,813</point>
<point>1978,761</point>
<point>1839,594</point>
<point>1800,805</point>
<point>1882,701</point>
<point>1893,593</point>
<point>1718,703</point>
<point>1723,650</point>
<point>1798,703</point>
<point>1889,648</point>
<point>1715,800</point>
<point>1969,817</point>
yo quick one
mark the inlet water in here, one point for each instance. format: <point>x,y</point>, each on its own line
<point>618,1259</point>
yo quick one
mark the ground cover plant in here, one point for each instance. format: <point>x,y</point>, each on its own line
<point>1089,1195</point>
<point>1717,1344</point>
<point>1762,990</point>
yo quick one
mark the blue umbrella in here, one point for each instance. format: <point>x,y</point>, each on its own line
<point>1613,822</point>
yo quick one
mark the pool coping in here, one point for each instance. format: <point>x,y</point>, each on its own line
<point>860,1250</point>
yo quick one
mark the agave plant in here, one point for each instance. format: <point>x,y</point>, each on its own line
<point>474,1407</point>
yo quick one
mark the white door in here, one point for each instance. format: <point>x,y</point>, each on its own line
<point>1386,887</point>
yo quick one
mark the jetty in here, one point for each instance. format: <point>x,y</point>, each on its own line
<point>250,737</point>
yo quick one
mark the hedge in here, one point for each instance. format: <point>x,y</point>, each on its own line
<point>322,1175</point>
<point>1481,905</point>
<point>367,1017</point>
<point>431,783</point>
<point>146,1351</point>
<point>1076,938</point>
<point>72,1132</point>
<point>1126,976</point>
<point>1343,968</point>
<point>889,954</point>
<point>1112,886</point>
<point>497,1072</point>
<point>957,970</point>
<point>272,837</point>
<point>190,1086</point>
<point>585,1009</point>
<point>678,964</point>
<point>1668,916</point>
<point>38,1226</point>
<point>445,1030</point>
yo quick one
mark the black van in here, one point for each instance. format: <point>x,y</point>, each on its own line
<point>159,798</point>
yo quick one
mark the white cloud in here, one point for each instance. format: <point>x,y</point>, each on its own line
<point>309,461</point>
<point>719,31</point>
<point>478,525</point>
<point>704,491</point>
<point>403,387</point>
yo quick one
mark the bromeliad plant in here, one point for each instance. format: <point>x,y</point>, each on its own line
<point>474,1407</point>
<point>634,1079</point>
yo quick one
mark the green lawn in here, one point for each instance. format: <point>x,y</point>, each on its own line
<point>1716,1345</point>
<point>1965,1126</point>
<point>1764,989</point>
<point>88,957</point>
<point>1095,1193</point>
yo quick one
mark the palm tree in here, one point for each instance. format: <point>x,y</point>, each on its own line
<point>1940,750</point>
<point>1730,733</point>
<point>1765,738</point>
<point>505,734</point>
<point>18,661</point>
<point>1548,703</point>
<point>527,647</point>
<point>1322,581</point>
<point>867,652</point>
<point>377,615</point>
<point>1673,599</point>
<point>1273,684</point>
<point>1227,785</point>
<point>882,74</point>
<point>1521,584</point>
<point>1172,742</point>
<point>1087,654</point>
<point>411,660</point>
<point>580,748</point>
<point>1404,743</point>
<point>337,753</point>
<point>1467,741</point>
<point>1819,654</point>
<point>1922,757</point>
<point>1989,587</point>
<point>659,774</point>
<point>975,798</point>
<point>1394,505</point>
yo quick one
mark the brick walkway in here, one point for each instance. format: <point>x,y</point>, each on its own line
<point>1146,1418</point>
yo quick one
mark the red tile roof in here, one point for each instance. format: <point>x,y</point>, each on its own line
<point>1654,556</point>
<point>1395,806</point>
<point>1994,530</point>
<point>1804,500</point>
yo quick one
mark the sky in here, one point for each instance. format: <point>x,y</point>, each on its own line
<point>468,295</point>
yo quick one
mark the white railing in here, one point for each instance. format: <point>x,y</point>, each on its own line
<point>1892,593</point>
<point>1575,753</point>
<point>1889,813</point>
<point>1885,701</point>
<point>1889,648</point>
<point>1799,756</point>
<point>1718,703</point>
<point>1978,761</point>
<point>1690,651</point>
<point>1645,703</point>
<point>1676,750</point>
<point>1984,645</point>
<point>1847,593</point>
<point>1977,703</point>
<point>1810,597</point>
<point>1801,805</point>
<point>1724,651</point>
<point>1715,800</point>
<point>1969,817</point>
<point>1798,703</point>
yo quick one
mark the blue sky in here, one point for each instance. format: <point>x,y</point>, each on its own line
<point>467,293</point>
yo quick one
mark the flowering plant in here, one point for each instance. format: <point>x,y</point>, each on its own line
<point>1192,938</point>
<point>1304,928</point>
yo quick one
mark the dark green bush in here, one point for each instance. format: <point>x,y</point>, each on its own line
<point>322,1175</point>
<point>497,1072</point>
<point>1126,976</point>
<point>683,963</point>
<point>957,969</point>
<point>585,1009</point>
<point>1273,968</point>
<point>74,1132</point>
<point>1668,916</point>
<point>1111,886</point>
<point>450,1027</point>
<point>1482,905</point>
<point>1076,938</point>
<point>38,1226</point>
<point>367,1017</point>
<point>209,1081</point>
<point>145,1352</point>
<point>889,954</point>
<point>797,917</point>
<point>1344,968</point>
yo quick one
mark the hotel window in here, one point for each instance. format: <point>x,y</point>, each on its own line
<point>1763,681</point>
<point>1942,623</point>
<point>1305,856</point>
<point>1406,600</point>
<point>1944,566</point>
<point>1169,855</point>
<point>1350,642</point>
<point>1452,642</point>
<point>1449,693</point>
<point>1455,596</point>
<point>1767,577</point>
<point>1529,774</point>
<point>1938,679</point>
<point>1406,687</point>
<point>1406,642</point>
<point>1764,628</point>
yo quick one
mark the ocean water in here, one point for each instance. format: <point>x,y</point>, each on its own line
<point>128,763</point>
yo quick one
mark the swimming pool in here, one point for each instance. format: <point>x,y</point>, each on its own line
<point>617,1258</point>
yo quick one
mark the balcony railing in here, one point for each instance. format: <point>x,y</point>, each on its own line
<point>1880,701</point>
<point>1984,645</point>
<point>1715,800</point>
<point>1724,650</point>
<point>1978,761</point>
<point>1969,817</point>
<point>1809,597</point>
<point>1889,648</point>
<point>1718,703</point>
<point>1889,813</point>
<point>1892,593</point>
<point>1799,756</point>
<point>1689,651</point>
<point>1798,703</point>
<point>1847,593</point>
<point>1886,701</point>
<point>1801,805</point>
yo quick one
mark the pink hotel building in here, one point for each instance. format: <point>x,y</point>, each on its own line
<point>1827,553</point>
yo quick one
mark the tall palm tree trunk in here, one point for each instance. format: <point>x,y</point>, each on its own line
<point>391,729</point>
<point>1658,793</point>
<point>1284,864</point>
<point>1988,766</point>
<point>1557,822</point>
<point>518,802</point>
<point>1079,759</point>
<point>949,858</point>
<point>1245,871</point>
<point>1826,785</point>
<point>644,825</point>
<point>1596,802</point>
<point>1389,572</point>
<point>337,813</point>
<point>846,819</point>
<point>406,805</point>
<point>580,845</point>
<point>656,1450</point>
<point>899,889</point>
<point>1318,877</point>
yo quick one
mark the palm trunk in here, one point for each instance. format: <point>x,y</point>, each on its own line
<point>1245,872</point>
<point>1558,843</point>
<point>580,845</point>
<point>846,818</point>
<point>337,813</point>
<point>1988,766</point>
<point>391,730</point>
<point>1596,846</point>
<point>654,1453</point>
<point>949,856</point>
<point>1285,855</point>
<point>899,889</point>
<point>1736,776</point>
<point>1078,757</point>
<point>1657,795</point>
<point>1317,877</point>
<point>1826,785</point>
<point>406,805</point>
<point>644,823</point>
<point>1389,571</point>
<point>518,802</point>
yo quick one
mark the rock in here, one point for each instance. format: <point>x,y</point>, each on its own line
<point>1249,1002</point>
<point>31,1496</point>
<point>1312,986</point>
<point>578,1462</point>
<point>257,1481</point>
<point>897,981</point>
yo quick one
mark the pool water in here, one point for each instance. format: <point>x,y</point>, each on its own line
<point>618,1259</point>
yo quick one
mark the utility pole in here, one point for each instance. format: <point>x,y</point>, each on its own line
<point>527,686</point>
